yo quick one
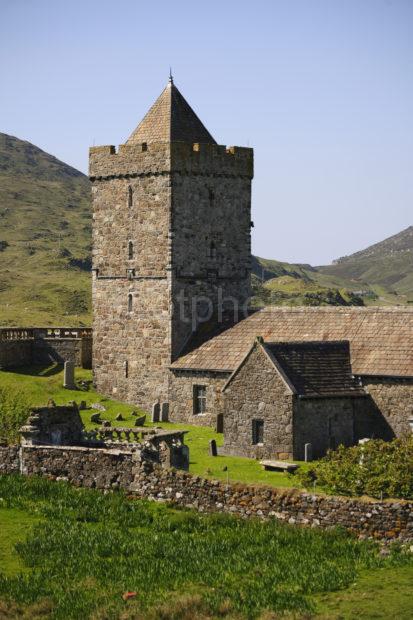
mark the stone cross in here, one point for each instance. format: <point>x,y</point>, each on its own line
<point>69,376</point>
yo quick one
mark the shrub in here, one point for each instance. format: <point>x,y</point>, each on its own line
<point>377,468</point>
<point>14,410</point>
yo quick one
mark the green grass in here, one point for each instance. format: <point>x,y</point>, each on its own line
<point>39,384</point>
<point>15,525</point>
<point>88,548</point>
<point>385,593</point>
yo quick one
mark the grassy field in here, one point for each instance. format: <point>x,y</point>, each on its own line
<point>40,384</point>
<point>79,550</point>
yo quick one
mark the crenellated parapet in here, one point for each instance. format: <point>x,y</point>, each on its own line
<point>134,160</point>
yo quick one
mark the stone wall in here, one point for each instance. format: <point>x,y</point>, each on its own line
<point>327,423</point>
<point>22,347</point>
<point>393,400</point>
<point>113,469</point>
<point>14,353</point>
<point>257,392</point>
<point>60,350</point>
<point>9,460</point>
<point>181,390</point>
<point>157,210</point>
<point>87,467</point>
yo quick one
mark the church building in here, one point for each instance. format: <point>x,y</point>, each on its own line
<point>171,288</point>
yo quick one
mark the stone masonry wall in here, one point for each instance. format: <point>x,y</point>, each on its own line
<point>394,400</point>
<point>113,469</point>
<point>257,392</point>
<point>131,352</point>
<point>325,423</point>
<point>157,209</point>
<point>60,350</point>
<point>87,467</point>
<point>14,353</point>
<point>9,460</point>
<point>181,390</point>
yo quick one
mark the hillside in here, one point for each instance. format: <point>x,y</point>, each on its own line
<point>45,249</point>
<point>45,236</point>
<point>386,266</point>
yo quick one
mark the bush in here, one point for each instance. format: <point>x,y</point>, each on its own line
<point>377,468</point>
<point>14,411</point>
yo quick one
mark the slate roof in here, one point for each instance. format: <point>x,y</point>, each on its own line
<point>171,119</point>
<point>316,368</point>
<point>381,339</point>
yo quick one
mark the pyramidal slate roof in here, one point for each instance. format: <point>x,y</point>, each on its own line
<point>381,339</point>
<point>171,119</point>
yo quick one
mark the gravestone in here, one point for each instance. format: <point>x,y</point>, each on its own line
<point>164,412</point>
<point>155,412</point>
<point>213,448</point>
<point>308,452</point>
<point>69,376</point>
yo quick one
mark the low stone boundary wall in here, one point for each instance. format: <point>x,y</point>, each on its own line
<point>9,460</point>
<point>21,347</point>
<point>87,467</point>
<point>112,469</point>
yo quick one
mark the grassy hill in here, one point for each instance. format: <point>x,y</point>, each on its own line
<point>45,237</point>
<point>45,250</point>
<point>386,266</point>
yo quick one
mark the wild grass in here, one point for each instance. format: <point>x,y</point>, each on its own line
<point>89,548</point>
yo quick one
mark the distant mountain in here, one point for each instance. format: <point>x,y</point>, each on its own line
<point>382,274</point>
<point>45,237</point>
<point>45,251</point>
<point>386,266</point>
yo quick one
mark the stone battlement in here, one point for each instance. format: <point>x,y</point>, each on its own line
<point>132,160</point>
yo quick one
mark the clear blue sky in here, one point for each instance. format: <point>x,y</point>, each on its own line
<point>322,89</point>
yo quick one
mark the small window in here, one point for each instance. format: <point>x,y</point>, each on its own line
<point>144,146</point>
<point>211,196</point>
<point>212,250</point>
<point>126,367</point>
<point>130,196</point>
<point>258,432</point>
<point>130,302</point>
<point>199,399</point>
<point>130,250</point>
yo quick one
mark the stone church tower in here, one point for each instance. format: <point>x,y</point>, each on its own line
<point>171,245</point>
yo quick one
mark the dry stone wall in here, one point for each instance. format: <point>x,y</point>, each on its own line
<point>114,469</point>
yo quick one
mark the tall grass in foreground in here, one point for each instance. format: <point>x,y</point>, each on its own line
<point>14,409</point>
<point>89,548</point>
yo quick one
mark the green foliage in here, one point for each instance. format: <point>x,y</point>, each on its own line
<point>88,548</point>
<point>377,468</point>
<point>14,411</point>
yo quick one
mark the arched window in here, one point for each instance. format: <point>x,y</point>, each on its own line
<point>130,302</point>
<point>130,196</point>
<point>130,250</point>
<point>212,250</point>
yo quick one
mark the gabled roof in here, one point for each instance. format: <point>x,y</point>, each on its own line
<point>171,119</point>
<point>381,339</point>
<point>316,368</point>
